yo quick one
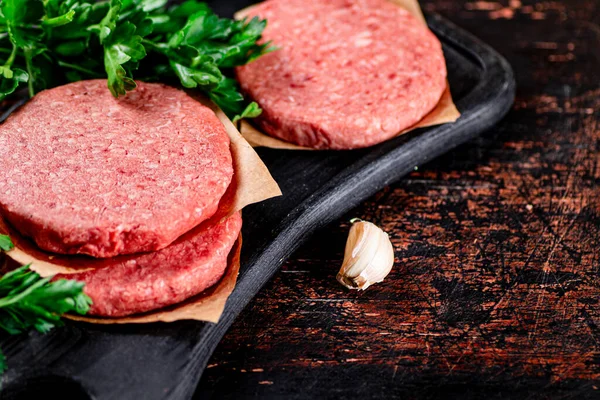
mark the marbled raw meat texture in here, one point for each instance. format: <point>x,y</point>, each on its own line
<point>85,173</point>
<point>133,284</point>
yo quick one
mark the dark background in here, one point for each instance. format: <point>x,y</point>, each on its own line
<point>495,292</point>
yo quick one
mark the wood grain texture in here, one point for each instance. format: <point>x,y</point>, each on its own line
<point>496,288</point>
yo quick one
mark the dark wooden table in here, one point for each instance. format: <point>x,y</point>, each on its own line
<point>496,287</point>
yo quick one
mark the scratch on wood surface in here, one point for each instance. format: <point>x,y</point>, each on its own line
<point>546,45</point>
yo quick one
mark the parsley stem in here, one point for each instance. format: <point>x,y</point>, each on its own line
<point>153,46</point>
<point>12,56</point>
<point>78,68</point>
<point>60,20</point>
<point>28,57</point>
<point>17,297</point>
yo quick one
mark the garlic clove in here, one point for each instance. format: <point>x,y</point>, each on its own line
<point>368,258</point>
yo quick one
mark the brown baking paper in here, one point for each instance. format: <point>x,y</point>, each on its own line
<point>251,183</point>
<point>445,111</point>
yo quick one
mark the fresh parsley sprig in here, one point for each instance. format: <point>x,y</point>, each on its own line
<point>28,301</point>
<point>44,43</point>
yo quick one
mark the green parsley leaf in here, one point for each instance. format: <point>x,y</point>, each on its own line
<point>85,21</point>
<point>5,243</point>
<point>10,80</point>
<point>19,16</point>
<point>228,97</point>
<point>120,48</point>
<point>150,5</point>
<point>30,301</point>
<point>176,17</point>
<point>51,42</point>
<point>251,111</point>
<point>109,22</point>
<point>203,73</point>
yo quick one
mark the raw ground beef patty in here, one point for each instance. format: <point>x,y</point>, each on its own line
<point>348,73</point>
<point>85,173</point>
<point>133,284</point>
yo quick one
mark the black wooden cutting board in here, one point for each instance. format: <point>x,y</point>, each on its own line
<point>165,361</point>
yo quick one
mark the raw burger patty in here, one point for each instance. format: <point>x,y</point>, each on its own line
<point>85,173</point>
<point>134,284</point>
<point>348,74</point>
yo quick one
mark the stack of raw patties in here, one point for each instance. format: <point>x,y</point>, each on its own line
<point>129,187</point>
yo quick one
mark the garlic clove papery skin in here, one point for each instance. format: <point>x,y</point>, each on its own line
<point>368,258</point>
